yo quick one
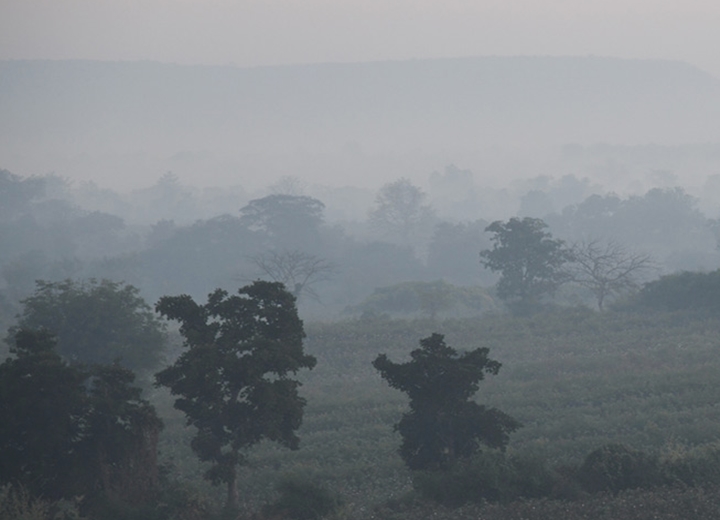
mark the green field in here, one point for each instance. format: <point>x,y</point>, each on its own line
<point>575,378</point>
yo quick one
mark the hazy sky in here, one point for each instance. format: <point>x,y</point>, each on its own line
<point>263,32</point>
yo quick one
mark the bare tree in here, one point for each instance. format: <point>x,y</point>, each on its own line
<point>607,268</point>
<point>298,270</point>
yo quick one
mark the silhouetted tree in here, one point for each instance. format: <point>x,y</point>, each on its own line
<point>70,429</point>
<point>233,381</point>
<point>443,424</point>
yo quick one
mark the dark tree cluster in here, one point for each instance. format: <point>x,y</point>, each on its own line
<point>234,380</point>
<point>443,424</point>
<point>74,429</point>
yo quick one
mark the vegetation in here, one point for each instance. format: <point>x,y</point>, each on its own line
<point>67,430</point>
<point>233,378</point>
<point>619,407</point>
<point>530,261</point>
<point>96,321</point>
<point>443,425</point>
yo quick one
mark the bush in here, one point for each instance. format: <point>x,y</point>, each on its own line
<point>490,476</point>
<point>302,500</point>
<point>692,467</point>
<point>616,467</point>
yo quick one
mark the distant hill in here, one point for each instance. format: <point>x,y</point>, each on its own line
<point>84,109</point>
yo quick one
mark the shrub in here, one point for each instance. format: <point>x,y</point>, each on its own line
<point>616,467</point>
<point>692,467</point>
<point>490,476</point>
<point>16,503</point>
<point>302,500</point>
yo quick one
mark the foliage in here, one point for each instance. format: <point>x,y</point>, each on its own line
<point>67,429</point>
<point>683,291</point>
<point>665,223</point>
<point>615,468</point>
<point>42,401</point>
<point>16,193</point>
<point>575,378</point>
<point>290,221</point>
<point>678,503</point>
<point>190,258</point>
<point>96,322</point>
<point>443,425</point>
<point>301,499</point>
<point>697,466</point>
<point>233,380</point>
<point>16,503</point>
<point>530,261</point>
<point>489,476</point>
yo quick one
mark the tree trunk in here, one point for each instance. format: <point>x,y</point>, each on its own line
<point>233,499</point>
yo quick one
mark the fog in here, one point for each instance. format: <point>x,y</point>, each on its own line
<point>539,179</point>
<point>123,124</point>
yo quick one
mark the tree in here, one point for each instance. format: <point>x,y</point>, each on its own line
<point>96,322</point>
<point>530,261</point>
<point>287,220</point>
<point>70,429</point>
<point>234,378</point>
<point>607,269</point>
<point>687,290</point>
<point>295,269</point>
<point>443,424</point>
<point>400,212</point>
<point>41,400</point>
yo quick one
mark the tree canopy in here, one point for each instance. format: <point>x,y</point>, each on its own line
<point>400,212</point>
<point>96,321</point>
<point>287,220</point>
<point>233,381</point>
<point>530,261</point>
<point>70,429</point>
<point>443,424</point>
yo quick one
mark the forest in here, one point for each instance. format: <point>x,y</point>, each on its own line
<point>183,354</point>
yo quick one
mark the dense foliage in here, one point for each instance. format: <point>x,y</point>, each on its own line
<point>68,430</point>
<point>96,322</point>
<point>683,291</point>
<point>530,261</point>
<point>233,380</point>
<point>443,425</point>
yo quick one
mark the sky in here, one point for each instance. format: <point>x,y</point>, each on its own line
<point>272,32</point>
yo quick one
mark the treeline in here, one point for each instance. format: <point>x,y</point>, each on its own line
<point>334,262</point>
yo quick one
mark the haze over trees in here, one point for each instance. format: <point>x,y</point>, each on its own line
<point>400,213</point>
<point>96,322</point>
<point>360,198</point>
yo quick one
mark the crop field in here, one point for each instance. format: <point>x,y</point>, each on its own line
<point>575,378</point>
